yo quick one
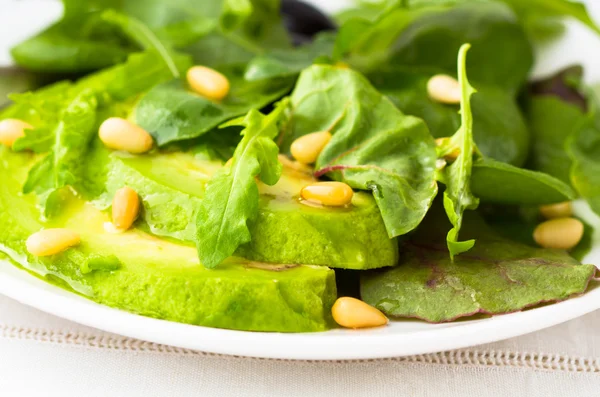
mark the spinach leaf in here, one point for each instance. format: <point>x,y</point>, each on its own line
<point>73,45</point>
<point>63,166</point>
<point>496,182</point>
<point>539,17</point>
<point>458,196</point>
<point>141,34</point>
<point>428,38</point>
<point>536,13</point>
<point>374,146</point>
<point>91,36</point>
<point>231,196</point>
<point>283,63</point>
<point>566,123</point>
<point>499,127</point>
<point>170,112</point>
<point>583,147</point>
<point>497,276</point>
<point>555,109</point>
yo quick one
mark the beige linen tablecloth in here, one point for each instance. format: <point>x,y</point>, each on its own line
<point>42,355</point>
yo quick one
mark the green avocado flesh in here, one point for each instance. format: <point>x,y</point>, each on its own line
<point>171,186</point>
<point>161,278</point>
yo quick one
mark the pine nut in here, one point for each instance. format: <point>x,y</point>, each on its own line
<point>444,89</point>
<point>51,241</point>
<point>560,233</point>
<point>558,210</point>
<point>125,208</point>
<point>11,130</point>
<point>208,82</point>
<point>307,148</point>
<point>328,193</point>
<point>353,313</point>
<point>120,134</point>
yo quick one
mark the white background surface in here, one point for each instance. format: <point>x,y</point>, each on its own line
<point>43,355</point>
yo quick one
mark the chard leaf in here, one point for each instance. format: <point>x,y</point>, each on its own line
<point>497,276</point>
<point>374,146</point>
<point>170,112</point>
<point>231,197</point>
<point>63,166</point>
<point>458,196</point>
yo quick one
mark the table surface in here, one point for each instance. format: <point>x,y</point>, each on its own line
<point>42,355</point>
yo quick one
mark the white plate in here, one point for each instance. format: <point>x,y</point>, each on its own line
<point>400,338</point>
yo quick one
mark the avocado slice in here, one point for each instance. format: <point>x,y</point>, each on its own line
<point>160,278</point>
<point>171,186</point>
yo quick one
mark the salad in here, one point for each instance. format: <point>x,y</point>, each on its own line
<point>255,165</point>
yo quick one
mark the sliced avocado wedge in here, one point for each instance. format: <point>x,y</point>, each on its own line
<point>171,186</point>
<point>161,278</point>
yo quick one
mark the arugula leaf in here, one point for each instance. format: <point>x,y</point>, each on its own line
<point>518,186</point>
<point>170,112</point>
<point>374,146</point>
<point>458,196</point>
<point>63,166</point>
<point>123,82</point>
<point>231,197</point>
<point>497,276</point>
<point>41,109</point>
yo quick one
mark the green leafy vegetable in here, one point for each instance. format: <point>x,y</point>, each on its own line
<point>140,33</point>
<point>40,109</point>
<point>63,166</point>
<point>499,128</point>
<point>458,196</point>
<point>102,33</point>
<point>170,112</point>
<point>535,14</point>
<point>566,124</point>
<point>374,146</point>
<point>231,198</point>
<point>428,38</point>
<point>283,63</point>
<point>496,276</point>
<point>555,110</point>
<point>496,182</point>
<point>583,148</point>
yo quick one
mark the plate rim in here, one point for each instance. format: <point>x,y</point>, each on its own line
<point>339,344</point>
